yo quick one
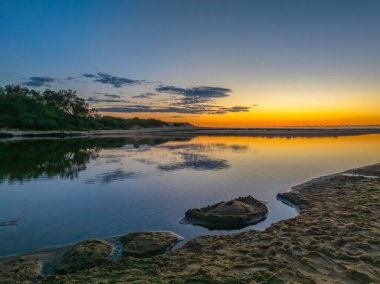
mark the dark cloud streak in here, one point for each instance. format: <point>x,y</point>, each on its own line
<point>115,81</point>
<point>39,81</point>
<point>195,95</point>
<point>188,110</point>
<point>145,96</point>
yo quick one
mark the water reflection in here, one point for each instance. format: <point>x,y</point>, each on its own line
<point>198,147</point>
<point>100,187</point>
<point>111,176</point>
<point>25,160</point>
<point>195,162</point>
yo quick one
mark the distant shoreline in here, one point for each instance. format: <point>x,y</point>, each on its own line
<point>198,131</point>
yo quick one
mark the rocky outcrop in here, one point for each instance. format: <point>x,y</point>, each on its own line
<point>233,214</point>
<point>146,244</point>
<point>84,255</point>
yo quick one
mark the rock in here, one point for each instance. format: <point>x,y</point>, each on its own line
<point>233,214</point>
<point>19,268</point>
<point>84,255</point>
<point>146,244</point>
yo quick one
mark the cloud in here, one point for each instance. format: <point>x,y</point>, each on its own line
<point>89,75</point>
<point>114,81</point>
<point>195,95</point>
<point>39,81</point>
<point>197,109</point>
<point>112,96</point>
<point>145,96</point>
<point>234,109</point>
<point>100,100</point>
<point>195,100</point>
<point>108,95</point>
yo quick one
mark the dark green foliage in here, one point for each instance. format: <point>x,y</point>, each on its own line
<point>25,109</point>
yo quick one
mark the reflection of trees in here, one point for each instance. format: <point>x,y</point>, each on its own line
<point>28,159</point>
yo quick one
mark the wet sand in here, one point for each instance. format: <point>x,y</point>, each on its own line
<point>334,239</point>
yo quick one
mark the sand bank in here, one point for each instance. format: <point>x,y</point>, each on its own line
<point>334,239</point>
<point>194,131</point>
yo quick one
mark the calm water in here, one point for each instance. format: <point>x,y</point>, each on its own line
<point>63,191</point>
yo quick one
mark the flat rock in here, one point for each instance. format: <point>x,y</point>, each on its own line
<point>146,244</point>
<point>12,270</point>
<point>233,214</point>
<point>84,255</point>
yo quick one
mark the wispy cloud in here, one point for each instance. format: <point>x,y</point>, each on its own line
<point>108,95</point>
<point>196,95</point>
<point>39,81</point>
<point>87,75</point>
<point>105,100</point>
<point>114,81</point>
<point>145,96</point>
<point>184,110</point>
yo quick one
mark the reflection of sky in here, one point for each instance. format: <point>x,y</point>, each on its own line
<point>267,62</point>
<point>125,189</point>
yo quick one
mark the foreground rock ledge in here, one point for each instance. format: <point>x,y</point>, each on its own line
<point>334,239</point>
<point>84,255</point>
<point>147,244</point>
<point>233,214</point>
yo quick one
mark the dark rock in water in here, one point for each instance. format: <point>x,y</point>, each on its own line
<point>84,255</point>
<point>233,214</point>
<point>146,244</point>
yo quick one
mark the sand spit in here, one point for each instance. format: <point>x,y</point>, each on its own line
<point>195,131</point>
<point>334,239</point>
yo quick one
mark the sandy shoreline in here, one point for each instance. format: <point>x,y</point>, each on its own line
<point>334,239</point>
<point>195,131</point>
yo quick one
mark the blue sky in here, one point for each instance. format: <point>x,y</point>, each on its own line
<point>244,47</point>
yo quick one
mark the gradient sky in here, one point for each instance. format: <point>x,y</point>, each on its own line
<point>208,62</point>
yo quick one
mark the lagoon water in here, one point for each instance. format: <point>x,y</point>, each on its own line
<point>62,191</point>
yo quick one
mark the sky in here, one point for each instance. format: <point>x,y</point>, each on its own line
<point>208,62</point>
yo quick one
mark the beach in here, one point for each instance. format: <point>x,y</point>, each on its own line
<point>190,131</point>
<point>335,238</point>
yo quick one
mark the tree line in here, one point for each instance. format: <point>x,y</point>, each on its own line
<point>24,108</point>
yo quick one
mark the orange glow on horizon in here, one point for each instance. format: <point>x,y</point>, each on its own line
<point>265,119</point>
<point>288,105</point>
